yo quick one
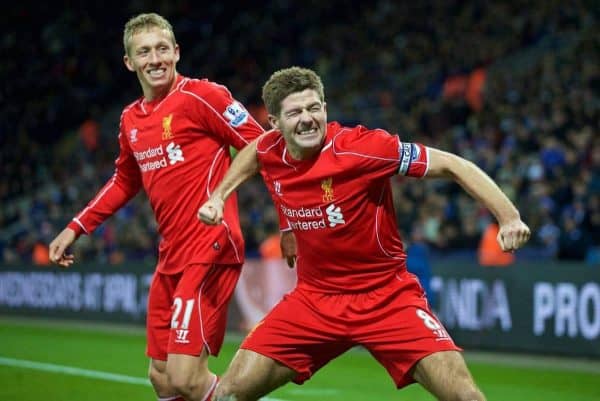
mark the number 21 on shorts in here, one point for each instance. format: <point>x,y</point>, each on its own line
<point>181,328</point>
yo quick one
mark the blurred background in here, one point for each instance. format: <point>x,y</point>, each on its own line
<point>513,86</point>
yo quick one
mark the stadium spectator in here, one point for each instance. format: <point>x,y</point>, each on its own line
<point>174,142</point>
<point>541,80</point>
<point>417,262</point>
<point>40,255</point>
<point>332,183</point>
<point>573,242</point>
<point>489,253</point>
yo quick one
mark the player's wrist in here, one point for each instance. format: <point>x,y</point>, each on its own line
<point>217,200</point>
<point>77,229</point>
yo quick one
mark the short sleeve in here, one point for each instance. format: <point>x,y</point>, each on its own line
<point>414,159</point>
<point>377,153</point>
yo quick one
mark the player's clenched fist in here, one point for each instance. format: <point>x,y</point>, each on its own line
<point>513,235</point>
<point>212,211</point>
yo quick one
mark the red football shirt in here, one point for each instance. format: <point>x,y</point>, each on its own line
<point>177,149</point>
<point>339,204</point>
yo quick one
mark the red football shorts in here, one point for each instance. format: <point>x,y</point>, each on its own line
<point>394,323</point>
<point>187,311</point>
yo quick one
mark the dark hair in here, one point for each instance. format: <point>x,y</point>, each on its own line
<point>287,81</point>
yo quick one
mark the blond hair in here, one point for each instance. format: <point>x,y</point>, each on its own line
<point>287,81</point>
<point>145,22</point>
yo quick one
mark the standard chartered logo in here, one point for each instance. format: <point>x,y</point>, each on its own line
<point>304,218</point>
<point>154,159</point>
<point>334,215</point>
<point>174,153</point>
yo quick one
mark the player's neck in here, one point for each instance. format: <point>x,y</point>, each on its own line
<point>303,154</point>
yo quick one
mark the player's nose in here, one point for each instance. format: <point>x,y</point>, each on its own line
<point>305,118</point>
<point>154,57</point>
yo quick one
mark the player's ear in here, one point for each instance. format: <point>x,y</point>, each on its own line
<point>176,52</point>
<point>128,63</point>
<point>273,121</point>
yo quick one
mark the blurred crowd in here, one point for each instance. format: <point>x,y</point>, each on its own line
<point>512,86</point>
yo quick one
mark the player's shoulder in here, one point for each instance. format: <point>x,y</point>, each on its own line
<point>269,141</point>
<point>203,87</point>
<point>354,137</point>
<point>128,109</point>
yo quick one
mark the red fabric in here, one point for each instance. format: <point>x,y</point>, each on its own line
<point>394,323</point>
<point>340,206</point>
<point>188,311</point>
<point>177,149</point>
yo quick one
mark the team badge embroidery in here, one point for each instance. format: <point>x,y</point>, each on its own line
<point>166,123</point>
<point>327,187</point>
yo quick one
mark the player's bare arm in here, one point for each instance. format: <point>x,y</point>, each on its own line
<point>58,248</point>
<point>244,166</point>
<point>513,233</point>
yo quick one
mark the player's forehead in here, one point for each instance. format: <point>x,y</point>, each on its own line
<point>150,36</point>
<point>301,99</point>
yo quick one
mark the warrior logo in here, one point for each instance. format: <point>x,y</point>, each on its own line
<point>133,135</point>
<point>181,336</point>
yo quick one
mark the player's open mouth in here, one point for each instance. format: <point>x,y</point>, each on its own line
<point>308,132</point>
<point>157,73</point>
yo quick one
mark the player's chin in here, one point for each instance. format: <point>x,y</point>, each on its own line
<point>311,142</point>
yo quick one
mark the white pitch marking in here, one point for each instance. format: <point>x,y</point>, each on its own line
<point>73,371</point>
<point>94,374</point>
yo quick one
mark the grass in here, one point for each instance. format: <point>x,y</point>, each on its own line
<point>352,377</point>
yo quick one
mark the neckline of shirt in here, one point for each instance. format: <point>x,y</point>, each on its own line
<point>148,106</point>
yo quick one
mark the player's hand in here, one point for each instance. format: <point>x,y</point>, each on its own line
<point>211,212</point>
<point>58,248</point>
<point>513,235</point>
<point>288,247</point>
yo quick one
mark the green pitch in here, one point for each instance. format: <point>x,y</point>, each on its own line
<point>68,362</point>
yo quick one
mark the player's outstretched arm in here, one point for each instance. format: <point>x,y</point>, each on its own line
<point>58,248</point>
<point>244,166</point>
<point>513,233</point>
